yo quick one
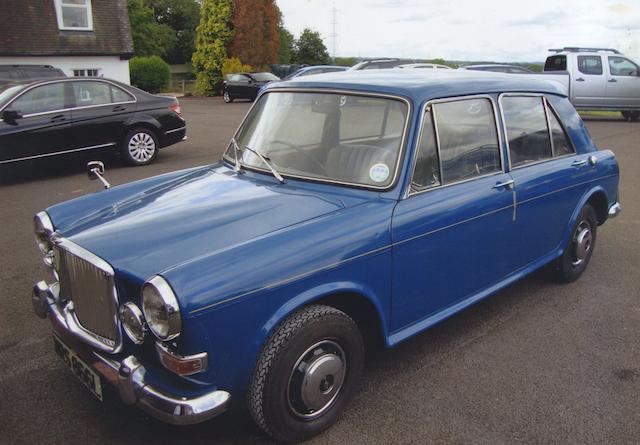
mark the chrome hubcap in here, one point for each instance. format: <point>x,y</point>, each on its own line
<point>226,96</point>
<point>316,379</point>
<point>142,147</point>
<point>582,243</point>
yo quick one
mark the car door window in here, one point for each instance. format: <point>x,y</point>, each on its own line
<point>466,145</point>
<point>88,94</point>
<point>41,99</point>
<point>527,132</point>
<point>590,65</point>
<point>561,144</point>
<point>619,66</point>
<point>119,95</point>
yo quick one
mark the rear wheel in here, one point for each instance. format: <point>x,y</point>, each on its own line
<point>306,373</point>
<point>579,249</point>
<point>140,146</point>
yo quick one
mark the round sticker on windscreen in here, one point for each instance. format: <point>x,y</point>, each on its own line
<point>379,172</point>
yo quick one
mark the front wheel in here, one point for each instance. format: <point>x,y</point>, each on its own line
<point>579,249</point>
<point>140,146</point>
<point>306,373</point>
<point>227,97</point>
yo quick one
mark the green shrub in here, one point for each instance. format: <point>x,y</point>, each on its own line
<point>234,65</point>
<point>150,74</point>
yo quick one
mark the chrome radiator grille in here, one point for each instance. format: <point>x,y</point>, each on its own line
<point>88,282</point>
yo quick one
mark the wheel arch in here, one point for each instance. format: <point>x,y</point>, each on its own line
<point>357,301</point>
<point>597,198</point>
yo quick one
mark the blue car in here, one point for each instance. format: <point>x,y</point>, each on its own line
<point>348,209</point>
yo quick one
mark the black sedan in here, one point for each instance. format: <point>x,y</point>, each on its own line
<point>52,117</point>
<point>245,85</point>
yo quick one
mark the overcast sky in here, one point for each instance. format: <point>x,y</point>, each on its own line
<point>498,30</point>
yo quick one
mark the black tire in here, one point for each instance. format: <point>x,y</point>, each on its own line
<point>630,116</point>
<point>140,146</point>
<point>580,247</point>
<point>324,338</point>
<point>227,97</point>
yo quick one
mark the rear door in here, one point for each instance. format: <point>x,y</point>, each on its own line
<point>623,83</point>
<point>546,172</point>
<point>44,128</point>
<point>589,81</point>
<point>100,113</point>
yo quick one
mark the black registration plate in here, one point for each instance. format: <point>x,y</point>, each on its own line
<point>87,376</point>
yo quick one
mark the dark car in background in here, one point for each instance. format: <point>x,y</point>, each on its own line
<point>58,116</point>
<point>497,68</point>
<point>245,85</point>
<point>318,69</point>
<point>11,73</point>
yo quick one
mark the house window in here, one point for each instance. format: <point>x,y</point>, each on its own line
<point>74,15</point>
<point>91,72</point>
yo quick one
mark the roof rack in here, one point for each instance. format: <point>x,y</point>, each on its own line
<point>576,49</point>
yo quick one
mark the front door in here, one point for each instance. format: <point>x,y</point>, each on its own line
<point>43,127</point>
<point>623,83</point>
<point>448,234</point>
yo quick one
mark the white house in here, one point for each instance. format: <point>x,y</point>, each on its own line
<point>81,37</point>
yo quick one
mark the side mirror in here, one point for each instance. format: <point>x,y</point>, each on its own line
<point>11,116</point>
<point>95,170</point>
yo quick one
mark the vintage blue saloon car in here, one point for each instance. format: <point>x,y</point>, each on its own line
<point>348,208</point>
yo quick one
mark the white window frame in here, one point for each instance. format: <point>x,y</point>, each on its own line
<point>87,7</point>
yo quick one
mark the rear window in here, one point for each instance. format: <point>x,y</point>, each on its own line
<point>527,130</point>
<point>556,63</point>
<point>590,65</point>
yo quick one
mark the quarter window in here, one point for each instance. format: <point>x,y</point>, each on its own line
<point>74,15</point>
<point>466,145</point>
<point>40,100</point>
<point>590,65</point>
<point>561,144</point>
<point>527,131</point>
<point>619,66</point>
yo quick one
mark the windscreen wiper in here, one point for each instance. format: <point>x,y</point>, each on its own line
<point>265,160</point>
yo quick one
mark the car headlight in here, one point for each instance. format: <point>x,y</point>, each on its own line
<point>43,228</point>
<point>161,309</point>
<point>133,322</point>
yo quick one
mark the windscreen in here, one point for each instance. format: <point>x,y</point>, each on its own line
<point>348,138</point>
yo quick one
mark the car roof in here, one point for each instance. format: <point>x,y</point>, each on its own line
<point>420,85</point>
<point>492,65</point>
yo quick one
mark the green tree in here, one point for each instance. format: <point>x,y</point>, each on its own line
<point>213,35</point>
<point>285,53</point>
<point>149,73</point>
<point>310,49</point>
<point>149,38</point>
<point>182,17</point>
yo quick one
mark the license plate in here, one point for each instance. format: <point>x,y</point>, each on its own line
<point>83,371</point>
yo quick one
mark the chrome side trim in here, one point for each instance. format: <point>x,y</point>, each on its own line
<point>175,129</point>
<point>401,151</point>
<point>427,107</point>
<point>46,155</point>
<point>378,250</point>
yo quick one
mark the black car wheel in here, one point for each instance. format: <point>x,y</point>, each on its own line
<point>227,97</point>
<point>306,373</point>
<point>579,250</point>
<point>140,146</point>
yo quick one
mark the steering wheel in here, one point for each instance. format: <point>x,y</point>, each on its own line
<point>317,163</point>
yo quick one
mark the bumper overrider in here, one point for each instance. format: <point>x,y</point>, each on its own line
<point>128,376</point>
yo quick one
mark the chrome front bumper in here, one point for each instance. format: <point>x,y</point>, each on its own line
<point>615,210</point>
<point>128,375</point>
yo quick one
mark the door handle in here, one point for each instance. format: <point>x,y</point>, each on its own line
<point>119,108</point>
<point>58,118</point>
<point>506,184</point>
<point>579,79</point>
<point>579,163</point>
<point>612,80</point>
